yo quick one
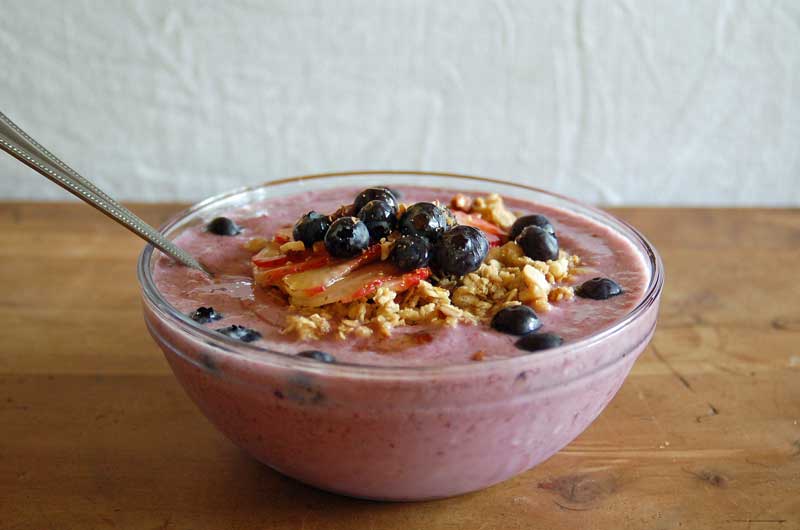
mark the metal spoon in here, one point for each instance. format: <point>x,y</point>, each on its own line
<point>21,146</point>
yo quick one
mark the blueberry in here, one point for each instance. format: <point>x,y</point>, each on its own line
<point>380,218</point>
<point>318,356</point>
<point>424,219</point>
<point>539,341</point>
<point>599,289</point>
<point>346,237</point>
<point>516,320</point>
<point>311,228</point>
<point>222,226</point>
<point>537,243</point>
<point>371,194</point>
<point>411,252</point>
<point>240,333</point>
<point>204,315</point>
<point>460,251</point>
<point>531,220</point>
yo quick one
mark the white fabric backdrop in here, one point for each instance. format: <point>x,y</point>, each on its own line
<point>626,101</point>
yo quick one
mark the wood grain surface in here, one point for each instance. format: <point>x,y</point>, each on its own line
<point>96,433</point>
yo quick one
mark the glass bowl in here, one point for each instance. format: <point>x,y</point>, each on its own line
<point>399,433</point>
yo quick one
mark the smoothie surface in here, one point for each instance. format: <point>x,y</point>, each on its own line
<point>232,293</point>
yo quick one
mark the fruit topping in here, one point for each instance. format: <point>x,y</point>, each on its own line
<point>393,280</point>
<point>318,356</point>
<point>424,219</point>
<point>411,252</point>
<point>204,315</point>
<point>531,220</point>
<point>311,228</point>
<point>599,289</point>
<point>537,243</point>
<point>222,226</point>
<point>315,280</point>
<point>380,219</point>
<point>346,237</point>
<point>366,253</point>
<point>460,251</point>
<point>361,283</point>
<point>271,276</point>
<point>516,320</point>
<point>539,341</point>
<point>371,194</point>
<point>240,333</point>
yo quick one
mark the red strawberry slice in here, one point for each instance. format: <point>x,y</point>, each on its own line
<point>397,284</point>
<point>273,276</point>
<point>315,281</point>
<point>270,262</point>
<point>363,283</point>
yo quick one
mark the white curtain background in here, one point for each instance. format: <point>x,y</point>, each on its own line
<point>615,102</point>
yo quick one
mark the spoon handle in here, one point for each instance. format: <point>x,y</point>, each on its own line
<point>21,146</point>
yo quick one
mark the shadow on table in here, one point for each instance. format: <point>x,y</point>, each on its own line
<point>262,489</point>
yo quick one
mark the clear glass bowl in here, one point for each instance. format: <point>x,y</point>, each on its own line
<point>399,433</point>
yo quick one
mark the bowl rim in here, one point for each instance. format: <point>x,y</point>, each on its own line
<point>228,346</point>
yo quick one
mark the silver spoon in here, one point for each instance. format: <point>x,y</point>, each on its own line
<point>21,146</point>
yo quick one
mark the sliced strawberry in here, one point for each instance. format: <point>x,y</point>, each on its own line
<point>273,276</point>
<point>270,262</point>
<point>494,233</point>
<point>315,281</point>
<point>363,283</point>
<point>397,284</point>
<point>344,287</point>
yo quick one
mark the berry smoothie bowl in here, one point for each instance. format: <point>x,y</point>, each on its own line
<point>401,335</point>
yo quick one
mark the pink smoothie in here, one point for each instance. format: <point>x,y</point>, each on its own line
<point>424,421</point>
<point>231,291</point>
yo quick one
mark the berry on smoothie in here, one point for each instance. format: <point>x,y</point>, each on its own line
<point>318,355</point>
<point>372,194</point>
<point>599,289</point>
<point>516,320</point>
<point>531,220</point>
<point>380,218</point>
<point>346,237</point>
<point>411,252</point>
<point>311,228</point>
<point>240,333</point>
<point>424,219</point>
<point>537,243</point>
<point>539,341</point>
<point>204,315</point>
<point>222,226</point>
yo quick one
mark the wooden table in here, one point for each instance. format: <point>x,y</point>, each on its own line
<point>96,433</point>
